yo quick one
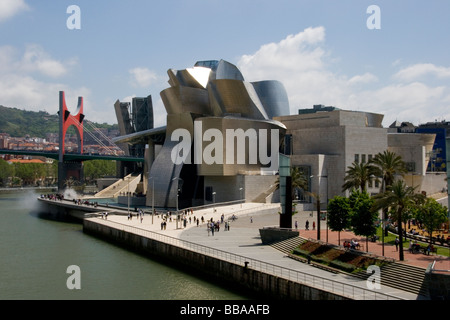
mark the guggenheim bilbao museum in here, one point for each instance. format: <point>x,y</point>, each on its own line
<point>220,142</point>
<point>223,138</point>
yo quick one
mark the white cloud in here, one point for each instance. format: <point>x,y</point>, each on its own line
<point>142,77</point>
<point>295,54</point>
<point>301,62</point>
<point>418,71</point>
<point>34,59</point>
<point>9,8</point>
<point>26,92</point>
<point>364,78</point>
<point>24,83</point>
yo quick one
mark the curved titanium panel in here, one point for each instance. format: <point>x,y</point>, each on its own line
<point>185,99</point>
<point>226,70</point>
<point>236,97</point>
<point>273,96</point>
<point>233,124</point>
<point>164,172</point>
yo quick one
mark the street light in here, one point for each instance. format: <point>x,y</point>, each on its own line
<point>153,196</point>
<point>242,197</point>
<point>214,201</point>
<point>128,195</point>
<point>318,211</point>
<point>178,192</point>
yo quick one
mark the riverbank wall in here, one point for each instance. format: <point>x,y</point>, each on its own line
<point>242,274</point>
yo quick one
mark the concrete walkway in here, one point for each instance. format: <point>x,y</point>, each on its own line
<point>243,239</point>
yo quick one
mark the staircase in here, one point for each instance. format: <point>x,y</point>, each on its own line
<point>263,196</point>
<point>401,276</point>
<point>286,246</point>
<point>395,275</point>
<point>127,184</point>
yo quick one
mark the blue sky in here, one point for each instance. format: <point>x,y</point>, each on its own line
<point>322,51</point>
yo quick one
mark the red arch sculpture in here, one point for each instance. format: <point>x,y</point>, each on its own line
<point>65,121</point>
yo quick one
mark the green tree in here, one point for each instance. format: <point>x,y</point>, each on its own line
<point>95,169</point>
<point>339,215</point>
<point>299,180</point>
<point>399,197</point>
<point>6,171</point>
<point>357,176</point>
<point>362,217</point>
<point>432,214</point>
<point>387,165</point>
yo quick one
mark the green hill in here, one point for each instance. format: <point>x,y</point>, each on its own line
<point>19,123</point>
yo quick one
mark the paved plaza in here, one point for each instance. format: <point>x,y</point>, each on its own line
<point>243,238</point>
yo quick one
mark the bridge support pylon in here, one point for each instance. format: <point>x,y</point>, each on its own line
<point>73,169</point>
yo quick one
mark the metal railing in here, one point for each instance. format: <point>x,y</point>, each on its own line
<point>332,286</point>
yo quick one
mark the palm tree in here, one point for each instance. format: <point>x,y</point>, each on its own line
<point>358,175</point>
<point>399,197</point>
<point>386,166</point>
<point>299,180</point>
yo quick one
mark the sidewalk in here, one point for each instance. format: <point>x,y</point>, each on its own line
<point>243,239</point>
<point>247,211</point>
<point>417,259</point>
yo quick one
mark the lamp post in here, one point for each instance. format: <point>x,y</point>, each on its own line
<point>178,192</point>
<point>153,196</point>
<point>318,208</point>
<point>326,204</point>
<point>128,195</point>
<point>214,201</point>
<point>242,197</point>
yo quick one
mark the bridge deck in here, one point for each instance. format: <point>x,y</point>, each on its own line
<point>70,156</point>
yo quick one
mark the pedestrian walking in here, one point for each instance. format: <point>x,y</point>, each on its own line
<point>296,225</point>
<point>307,225</point>
<point>396,244</point>
<point>314,225</point>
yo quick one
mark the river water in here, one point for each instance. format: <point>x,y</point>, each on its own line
<point>35,254</point>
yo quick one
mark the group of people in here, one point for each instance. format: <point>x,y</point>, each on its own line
<point>139,215</point>
<point>56,196</point>
<point>306,225</point>
<point>351,244</point>
<point>212,226</point>
<point>415,247</point>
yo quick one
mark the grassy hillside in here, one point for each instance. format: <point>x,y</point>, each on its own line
<point>19,123</point>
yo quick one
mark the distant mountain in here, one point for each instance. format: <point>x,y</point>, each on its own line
<point>19,123</point>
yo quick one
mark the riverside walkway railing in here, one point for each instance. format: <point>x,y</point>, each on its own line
<point>333,286</point>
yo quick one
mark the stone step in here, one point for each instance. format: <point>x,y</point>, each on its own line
<point>401,276</point>
<point>286,246</point>
<point>396,275</point>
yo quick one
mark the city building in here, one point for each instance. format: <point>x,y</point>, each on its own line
<point>326,141</point>
<point>187,162</point>
<point>220,142</point>
<point>438,156</point>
